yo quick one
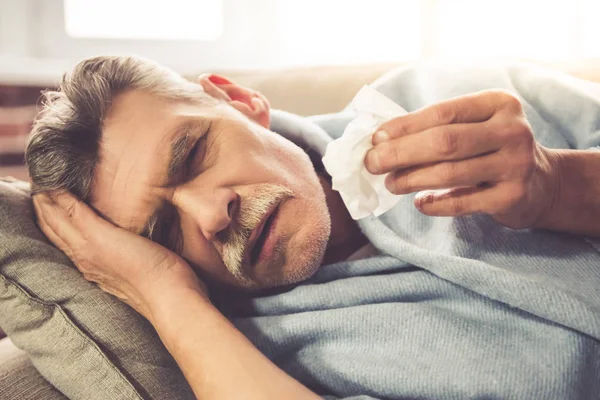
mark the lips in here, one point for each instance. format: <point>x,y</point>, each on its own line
<point>259,235</point>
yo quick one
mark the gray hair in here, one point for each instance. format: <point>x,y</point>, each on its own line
<point>63,148</point>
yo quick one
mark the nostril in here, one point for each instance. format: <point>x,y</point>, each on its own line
<point>231,207</point>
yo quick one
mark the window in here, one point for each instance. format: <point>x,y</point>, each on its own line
<point>144,19</point>
<point>346,32</point>
<point>342,31</point>
<point>591,29</point>
<point>539,29</point>
<point>192,36</point>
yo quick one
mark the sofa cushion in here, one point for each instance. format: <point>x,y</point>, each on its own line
<point>328,89</point>
<point>87,343</point>
<point>310,91</point>
<point>19,380</point>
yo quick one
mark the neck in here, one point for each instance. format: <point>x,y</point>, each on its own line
<point>346,237</point>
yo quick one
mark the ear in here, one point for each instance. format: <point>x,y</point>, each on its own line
<point>249,102</point>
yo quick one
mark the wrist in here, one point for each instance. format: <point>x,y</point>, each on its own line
<point>174,311</point>
<point>574,207</point>
<point>161,303</point>
<point>550,172</point>
<point>162,292</point>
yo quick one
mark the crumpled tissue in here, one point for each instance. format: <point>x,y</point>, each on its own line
<point>362,192</point>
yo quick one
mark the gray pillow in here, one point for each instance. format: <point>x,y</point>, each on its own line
<point>19,380</point>
<point>88,344</point>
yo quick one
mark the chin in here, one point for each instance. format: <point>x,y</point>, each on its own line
<point>292,272</point>
<point>300,260</point>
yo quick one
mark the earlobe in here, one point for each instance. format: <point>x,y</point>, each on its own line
<point>257,110</point>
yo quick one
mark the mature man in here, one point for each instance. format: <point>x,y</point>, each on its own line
<point>128,149</point>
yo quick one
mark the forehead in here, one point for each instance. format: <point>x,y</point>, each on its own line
<point>134,155</point>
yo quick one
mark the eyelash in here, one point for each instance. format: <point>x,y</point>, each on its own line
<point>192,168</point>
<point>194,151</point>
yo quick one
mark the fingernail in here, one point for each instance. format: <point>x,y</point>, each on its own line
<point>373,160</point>
<point>380,136</point>
<point>424,197</point>
<point>390,183</point>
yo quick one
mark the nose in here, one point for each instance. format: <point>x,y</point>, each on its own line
<point>214,211</point>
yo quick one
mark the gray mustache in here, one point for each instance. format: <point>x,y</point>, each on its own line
<point>251,211</point>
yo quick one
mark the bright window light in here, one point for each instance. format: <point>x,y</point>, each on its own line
<point>591,29</point>
<point>540,29</point>
<point>144,19</point>
<point>348,32</point>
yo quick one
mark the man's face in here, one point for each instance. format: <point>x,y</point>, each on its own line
<point>245,203</point>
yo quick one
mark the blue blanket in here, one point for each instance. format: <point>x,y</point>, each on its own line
<point>453,308</point>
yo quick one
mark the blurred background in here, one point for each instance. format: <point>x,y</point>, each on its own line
<point>259,40</point>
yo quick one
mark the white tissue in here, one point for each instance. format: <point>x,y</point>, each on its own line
<point>362,192</point>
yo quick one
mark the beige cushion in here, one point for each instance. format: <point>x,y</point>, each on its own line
<point>19,380</point>
<point>310,91</point>
<point>322,90</point>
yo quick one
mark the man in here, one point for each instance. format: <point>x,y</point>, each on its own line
<point>194,167</point>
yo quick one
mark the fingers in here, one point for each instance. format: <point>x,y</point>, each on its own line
<point>477,107</point>
<point>41,209</point>
<point>480,145</point>
<point>471,172</point>
<point>56,224</point>
<point>59,216</point>
<point>463,201</point>
<point>81,216</point>
<point>67,221</point>
<point>443,143</point>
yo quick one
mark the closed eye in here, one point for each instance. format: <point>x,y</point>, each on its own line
<point>192,156</point>
<point>195,157</point>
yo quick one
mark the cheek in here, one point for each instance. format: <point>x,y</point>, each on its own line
<point>261,156</point>
<point>292,165</point>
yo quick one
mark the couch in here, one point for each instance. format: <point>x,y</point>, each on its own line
<point>304,91</point>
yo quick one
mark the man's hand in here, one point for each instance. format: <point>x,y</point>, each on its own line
<point>471,154</point>
<point>122,263</point>
<point>217,360</point>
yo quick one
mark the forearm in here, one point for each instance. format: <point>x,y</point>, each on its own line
<point>576,202</point>
<point>216,359</point>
